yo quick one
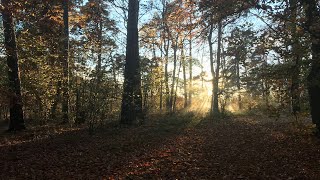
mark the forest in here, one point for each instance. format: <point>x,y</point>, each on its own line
<point>160,89</point>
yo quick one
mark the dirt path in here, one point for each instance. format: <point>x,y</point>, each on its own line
<point>182,147</point>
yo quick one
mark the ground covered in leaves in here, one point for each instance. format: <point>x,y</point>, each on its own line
<point>184,146</point>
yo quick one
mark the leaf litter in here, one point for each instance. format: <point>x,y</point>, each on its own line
<point>165,148</point>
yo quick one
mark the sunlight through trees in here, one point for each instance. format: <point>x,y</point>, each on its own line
<point>91,62</point>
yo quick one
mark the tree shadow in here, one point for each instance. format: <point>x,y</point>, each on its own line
<point>76,154</point>
<point>181,146</point>
<point>254,148</point>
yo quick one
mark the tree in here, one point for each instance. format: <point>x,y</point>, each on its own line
<point>303,17</point>
<point>16,112</point>
<point>131,107</point>
<point>65,101</point>
<point>312,24</point>
<point>184,63</point>
<point>296,58</point>
<point>217,75</point>
<point>211,62</point>
<point>38,32</point>
<point>95,33</point>
<point>191,26</point>
<point>220,13</point>
<point>240,42</point>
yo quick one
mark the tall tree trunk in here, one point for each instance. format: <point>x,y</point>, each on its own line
<point>296,57</point>
<point>16,111</point>
<point>176,89</point>
<point>99,64</point>
<point>190,71</point>
<point>161,95</point>
<point>115,82</point>
<point>238,81</point>
<point>161,82</point>
<point>211,64</point>
<point>313,21</point>
<point>216,79</point>
<point>166,75</point>
<point>65,88</point>
<point>185,93</point>
<point>131,107</point>
<point>223,77</point>
<point>175,48</point>
<point>265,85</point>
<point>166,54</point>
<point>145,96</point>
<point>190,52</point>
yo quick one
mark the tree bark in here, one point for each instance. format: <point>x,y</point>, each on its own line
<point>216,79</point>
<point>99,64</point>
<point>183,61</point>
<point>296,57</point>
<point>313,21</point>
<point>166,75</point>
<point>176,89</point>
<point>190,71</point>
<point>65,89</point>
<point>131,107</point>
<point>16,111</point>
<point>175,48</point>
<point>211,64</point>
<point>161,82</point>
<point>115,82</point>
<point>190,53</point>
<point>238,81</point>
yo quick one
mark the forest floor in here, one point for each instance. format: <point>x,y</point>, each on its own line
<point>184,146</point>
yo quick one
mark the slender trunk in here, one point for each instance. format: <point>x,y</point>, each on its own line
<point>216,79</point>
<point>166,75</point>
<point>115,86</point>
<point>145,97</point>
<point>160,103</point>
<point>184,78</point>
<point>161,82</point>
<point>65,100</point>
<point>131,106</point>
<point>295,94</point>
<point>190,71</point>
<point>223,80</point>
<point>99,64</point>
<point>152,83</point>
<point>176,89</point>
<point>175,48</point>
<point>238,82</point>
<point>166,51</point>
<point>16,111</point>
<point>190,53</point>
<point>79,119</point>
<point>266,85</point>
<point>211,64</point>
<point>223,76</point>
<point>202,72</point>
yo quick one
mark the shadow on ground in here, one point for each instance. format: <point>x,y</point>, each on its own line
<point>183,146</point>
